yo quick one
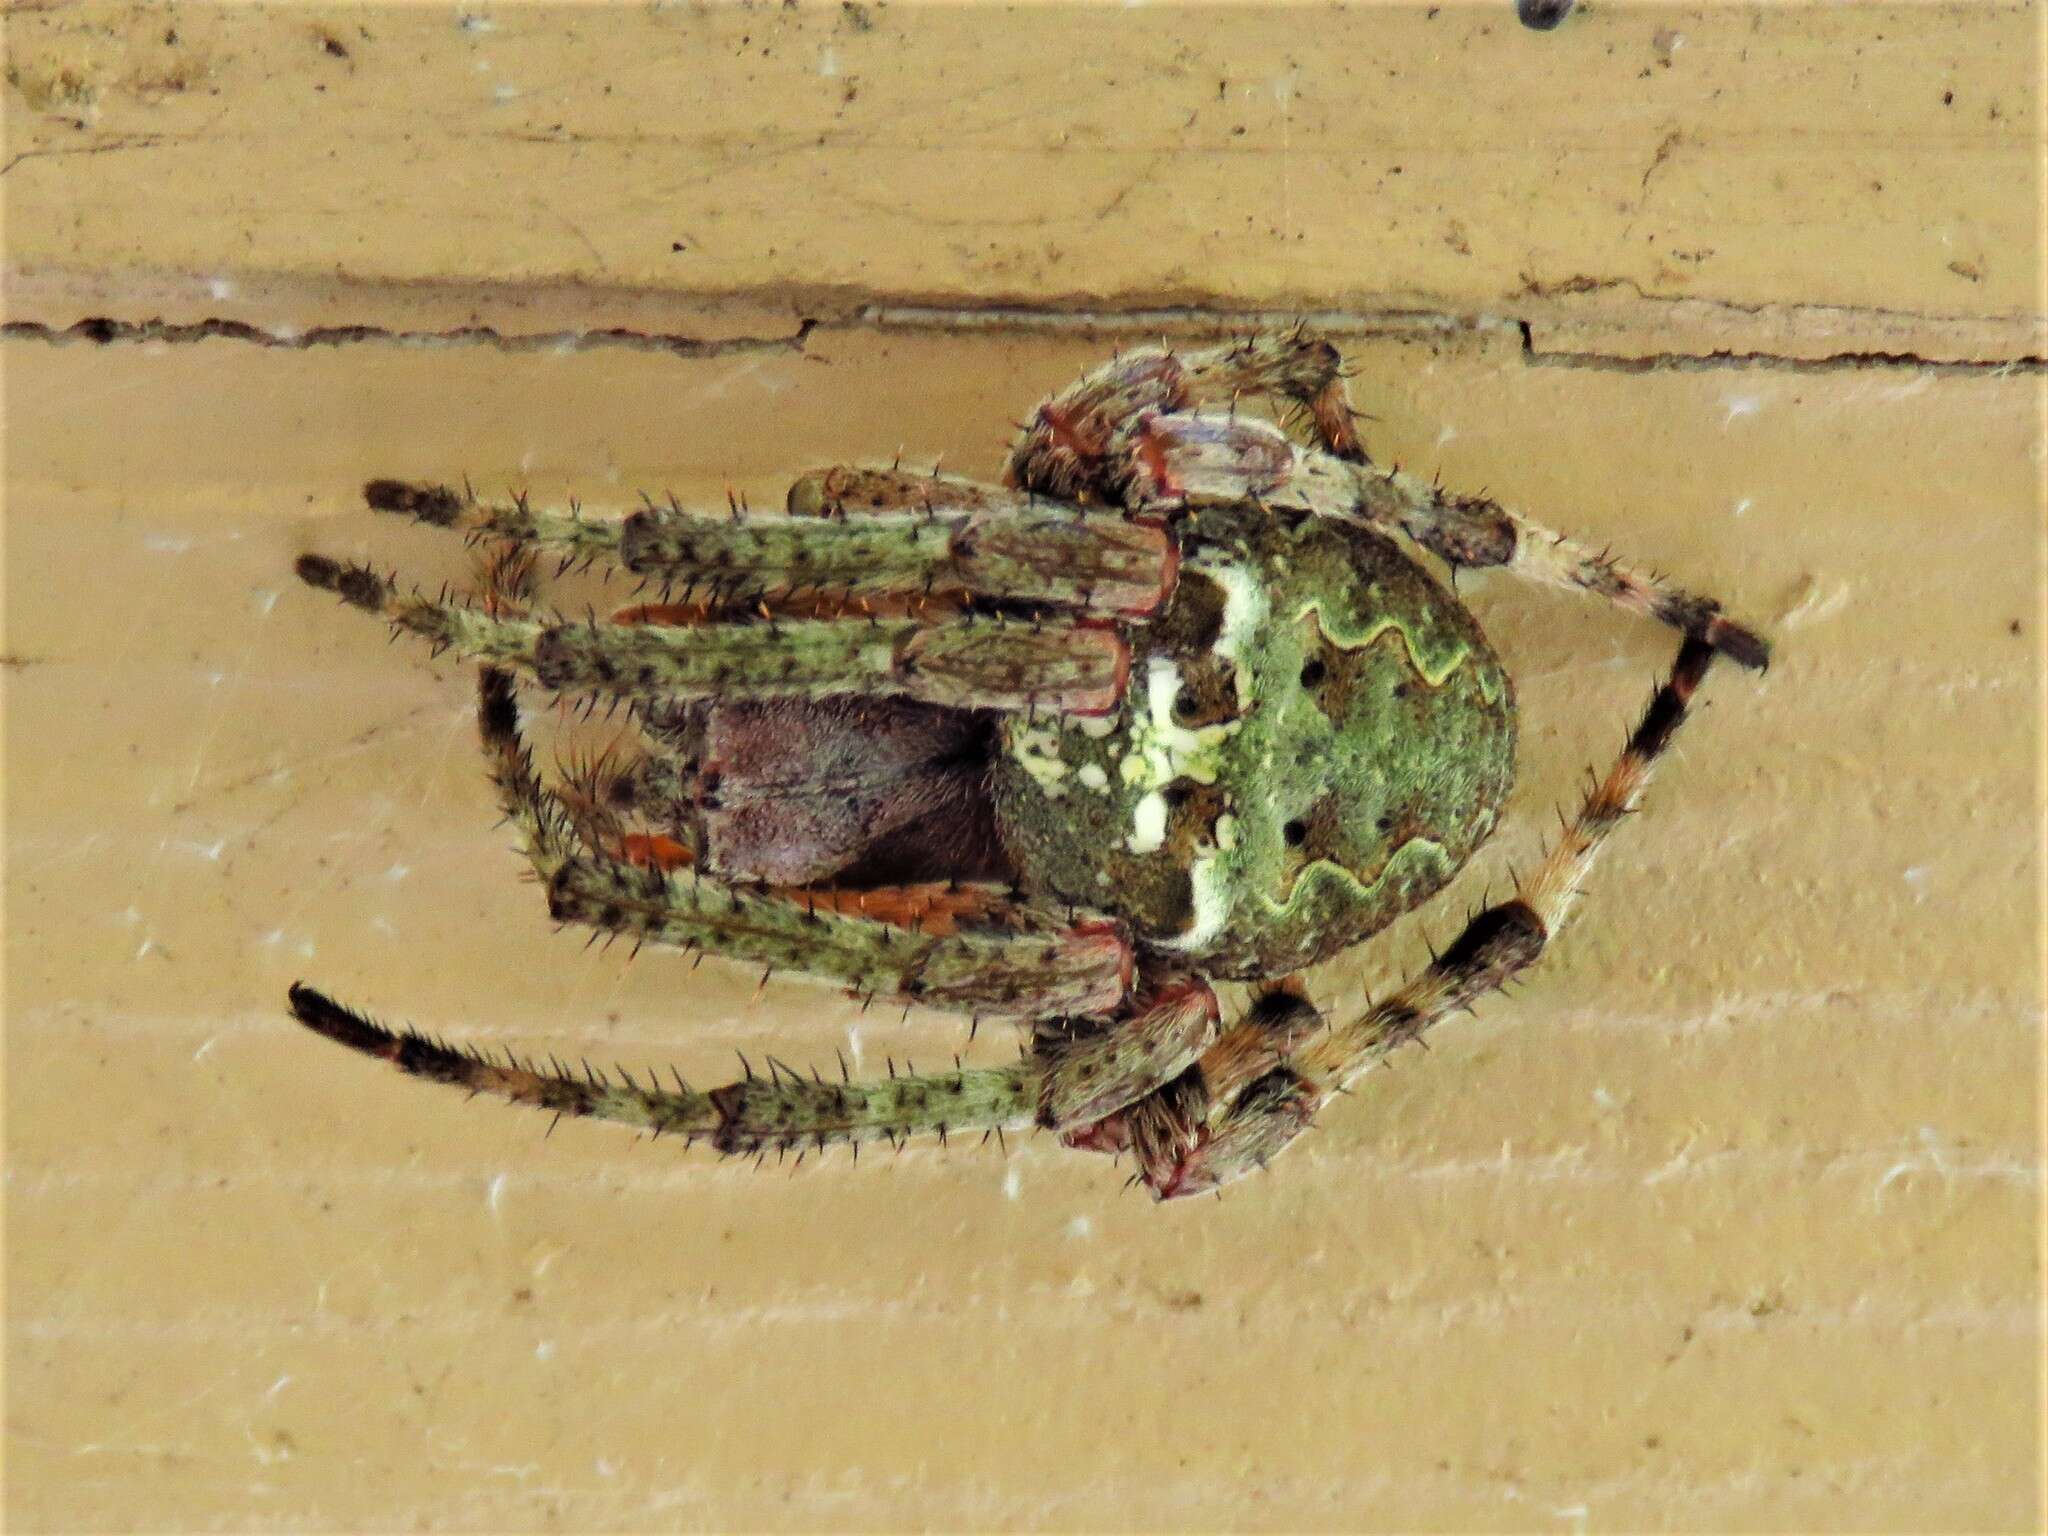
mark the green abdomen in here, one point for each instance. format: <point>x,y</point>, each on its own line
<point>1315,738</point>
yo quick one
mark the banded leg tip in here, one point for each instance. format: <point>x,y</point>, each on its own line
<point>433,504</point>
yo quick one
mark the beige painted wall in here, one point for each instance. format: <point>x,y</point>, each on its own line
<point>1729,1219</point>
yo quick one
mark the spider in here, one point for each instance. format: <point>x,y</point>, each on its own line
<point>1175,704</point>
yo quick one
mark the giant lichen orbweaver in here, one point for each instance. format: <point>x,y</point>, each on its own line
<point>1174,704</point>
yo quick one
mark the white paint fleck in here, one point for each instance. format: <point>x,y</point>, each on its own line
<point>267,1454</point>
<point>266,599</point>
<point>606,1467</point>
<point>1680,1162</point>
<point>221,288</point>
<point>276,1387</point>
<point>204,1047</point>
<point>397,872</point>
<point>1741,405</point>
<point>143,949</point>
<point>1445,434</point>
<point>1930,1158</point>
<point>828,63</point>
<point>1905,389</point>
<point>1812,601</point>
<point>167,543</point>
<point>1013,1184</point>
<point>1742,506</point>
<point>1080,1226</point>
<point>505,93</point>
<point>306,949</point>
<point>274,938</point>
<point>494,1197</point>
<point>1603,1098</point>
<point>544,1350</point>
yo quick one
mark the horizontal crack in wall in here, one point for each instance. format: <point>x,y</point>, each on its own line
<point>1833,362</point>
<point>106,331</point>
<point>101,331</point>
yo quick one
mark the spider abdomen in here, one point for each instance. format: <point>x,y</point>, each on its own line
<point>1315,737</point>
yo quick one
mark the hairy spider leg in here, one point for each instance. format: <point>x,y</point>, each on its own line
<point>967,662</point>
<point>783,1112</point>
<point>1259,1086</point>
<point>850,535</point>
<point>1295,366</point>
<point>1017,970</point>
<point>1189,459</point>
<point>1072,445</point>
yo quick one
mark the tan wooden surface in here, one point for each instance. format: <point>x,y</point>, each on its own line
<point>1730,1219</point>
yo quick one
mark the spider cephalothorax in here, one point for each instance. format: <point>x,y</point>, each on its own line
<point>1174,704</point>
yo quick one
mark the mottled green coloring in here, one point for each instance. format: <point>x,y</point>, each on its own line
<point>1315,738</point>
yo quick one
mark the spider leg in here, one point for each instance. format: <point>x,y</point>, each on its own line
<point>1025,968</point>
<point>757,1114</point>
<point>1296,366</point>
<point>965,662</point>
<point>785,1112</point>
<point>1192,459</point>
<point>1071,446</point>
<point>854,534</point>
<point>1259,1085</point>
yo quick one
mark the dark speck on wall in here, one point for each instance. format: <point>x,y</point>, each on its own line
<point>1542,15</point>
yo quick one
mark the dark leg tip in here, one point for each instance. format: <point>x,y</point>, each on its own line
<point>319,571</point>
<point>1743,647</point>
<point>321,1014</point>
<point>435,504</point>
<point>356,584</point>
